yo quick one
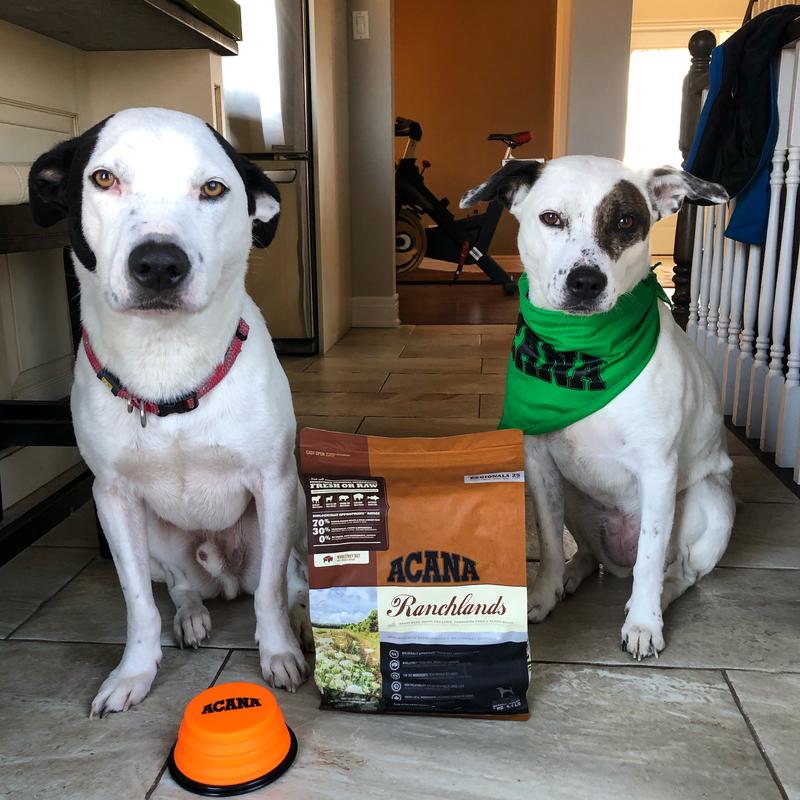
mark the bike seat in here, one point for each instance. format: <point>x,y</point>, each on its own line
<point>511,139</point>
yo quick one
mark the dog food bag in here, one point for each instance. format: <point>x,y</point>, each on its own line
<point>417,572</point>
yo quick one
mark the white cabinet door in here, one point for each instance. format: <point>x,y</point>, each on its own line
<point>35,340</point>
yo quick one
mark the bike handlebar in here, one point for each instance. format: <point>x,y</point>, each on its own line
<point>408,127</point>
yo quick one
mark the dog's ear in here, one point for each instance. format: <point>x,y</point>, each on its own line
<point>266,202</point>
<point>263,197</point>
<point>510,184</point>
<point>668,187</point>
<point>48,181</point>
<point>55,188</point>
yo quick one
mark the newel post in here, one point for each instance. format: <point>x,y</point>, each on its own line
<point>694,85</point>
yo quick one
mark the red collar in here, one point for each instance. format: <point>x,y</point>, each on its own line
<point>183,404</point>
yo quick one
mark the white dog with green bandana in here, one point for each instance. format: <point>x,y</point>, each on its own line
<point>625,439</point>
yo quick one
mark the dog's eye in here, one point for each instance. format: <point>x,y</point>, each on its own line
<point>625,222</point>
<point>103,179</point>
<point>551,219</point>
<point>213,189</point>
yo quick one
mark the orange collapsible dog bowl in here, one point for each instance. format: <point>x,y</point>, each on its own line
<point>233,739</point>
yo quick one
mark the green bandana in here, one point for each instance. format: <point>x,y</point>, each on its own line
<point>564,367</point>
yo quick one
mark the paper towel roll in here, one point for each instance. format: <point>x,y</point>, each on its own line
<point>14,184</point>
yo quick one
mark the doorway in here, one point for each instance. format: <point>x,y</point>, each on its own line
<point>463,71</point>
<point>659,62</point>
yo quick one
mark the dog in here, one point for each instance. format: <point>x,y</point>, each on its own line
<point>190,430</point>
<point>643,482</point>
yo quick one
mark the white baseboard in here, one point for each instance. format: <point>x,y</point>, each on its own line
<point>376,312</point>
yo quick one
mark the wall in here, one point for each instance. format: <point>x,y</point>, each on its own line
<point>599,58</point>
<point>466,68</point>
<point>330,133</point>
<point>656,12</point>
<point>371,124</point>
<point>169,78</point>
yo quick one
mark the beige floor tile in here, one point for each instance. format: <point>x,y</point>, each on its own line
<point>34,576</point>
<point>436,330</point>
<point>91,609</point>
<point>603,733</point>
<point>753,482</point>
<point>357,334</point>
<point>495,366</point>
<point>337,382</point>
<point>354,363</point>
<point>456,383</point>
<point>79,529</point>
<point>437,339</point>
<point>418,348</point>
<point>380,404</point>
<point>765,535</point>
<point>341,424</point>
<point>420,426</point>
<point>369,348</point>
<point>296,363</point>
<point>501,339</point>
<point>735,446</point>
<point>772,704</point>
<point>51,749</point>
<point>733,618</point>
<point>492,405</point>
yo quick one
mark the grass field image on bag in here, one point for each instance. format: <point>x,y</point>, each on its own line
<point>417,572</point>
<point>348,653</point>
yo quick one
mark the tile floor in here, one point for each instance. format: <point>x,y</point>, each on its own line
<point>717,716</point>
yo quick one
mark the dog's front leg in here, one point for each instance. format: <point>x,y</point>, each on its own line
<point>642,633</point>
<point>282,662</point>
<point>546,486</point>
<point>123,519</point>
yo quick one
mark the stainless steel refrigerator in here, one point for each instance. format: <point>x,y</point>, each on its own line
<point>267,112</point>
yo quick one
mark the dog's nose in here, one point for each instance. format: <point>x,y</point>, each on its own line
<point>586,283</point>
<point>158,266</point>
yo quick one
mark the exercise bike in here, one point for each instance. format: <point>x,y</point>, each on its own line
<point>461,241</point>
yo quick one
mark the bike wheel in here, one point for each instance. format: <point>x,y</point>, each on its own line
<point>410,241</point>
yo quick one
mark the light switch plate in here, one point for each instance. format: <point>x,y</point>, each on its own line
<point>361,24</point>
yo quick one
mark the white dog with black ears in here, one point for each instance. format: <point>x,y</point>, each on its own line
<point>189,430</point>
<point>626,440</point>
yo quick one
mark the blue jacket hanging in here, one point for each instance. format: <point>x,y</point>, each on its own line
<point>738,127</point>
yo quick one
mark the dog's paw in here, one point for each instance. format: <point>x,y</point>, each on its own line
<point>121,690</point>
<point>192,625</point>
<point>286,670</point>
<point>543,597</point>
<point>576,570</point>
<point>642,640</point>
<point>300,620</point>
<point>572,580</point>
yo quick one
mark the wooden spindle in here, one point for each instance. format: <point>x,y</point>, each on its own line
<point>744,365</point>
<point>721,343</point>
<point>755,403</point>
<point>697,260</point>
<point>715,283</point>
<point>728,382</point>
<point>695,85</point>
<point>705,280</point>
<point>787,449</point>
<point>773,386</point>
